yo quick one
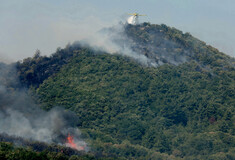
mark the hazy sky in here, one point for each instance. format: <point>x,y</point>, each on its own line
<point>27,25</point>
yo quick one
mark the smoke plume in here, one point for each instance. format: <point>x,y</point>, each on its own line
<point>20,116</point>
<point>114,40</point>
<point>153,51</point>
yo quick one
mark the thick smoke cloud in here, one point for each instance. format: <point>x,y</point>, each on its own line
<point>20,116</point>
<point>156,52</point>
<point>114,40</point>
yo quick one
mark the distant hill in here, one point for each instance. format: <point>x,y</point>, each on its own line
<point>183,108</point>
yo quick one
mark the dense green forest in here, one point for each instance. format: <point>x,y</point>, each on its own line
<point>181,109</point>
<point>166,109</point>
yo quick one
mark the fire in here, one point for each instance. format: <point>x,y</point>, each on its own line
<point>72,144</point>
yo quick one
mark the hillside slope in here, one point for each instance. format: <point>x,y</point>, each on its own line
<point>146,106</point>
<point>182,109</point>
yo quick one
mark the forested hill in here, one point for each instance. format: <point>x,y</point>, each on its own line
<point>183,108</point>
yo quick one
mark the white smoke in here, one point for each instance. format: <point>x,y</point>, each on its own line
<point>21,117</point>
<point>132,20</point>
<point>17,123</point>
<point>115,41</point>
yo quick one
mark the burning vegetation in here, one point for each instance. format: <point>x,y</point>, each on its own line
<point>21,117</point>
<point>72,144</point>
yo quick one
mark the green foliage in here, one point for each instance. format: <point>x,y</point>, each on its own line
<point>131,111</point>
<point>122,101</point>
<point>33,71</point>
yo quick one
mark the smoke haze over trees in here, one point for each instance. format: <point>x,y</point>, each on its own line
<point>21,116</point>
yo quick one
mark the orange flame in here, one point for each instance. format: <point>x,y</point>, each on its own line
<point>72,144</point>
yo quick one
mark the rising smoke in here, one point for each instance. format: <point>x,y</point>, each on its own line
<point>155,51</point>
<point>20,116</point>
<point>114,40</point>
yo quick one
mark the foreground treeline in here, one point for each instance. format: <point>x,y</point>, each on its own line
<point>16,148</point>
<point>183,109</point>
<point>9,152</point>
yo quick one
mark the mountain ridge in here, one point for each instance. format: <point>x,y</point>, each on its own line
<point>134,37</point>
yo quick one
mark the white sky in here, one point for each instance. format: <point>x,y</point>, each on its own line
<point>27,25</point>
